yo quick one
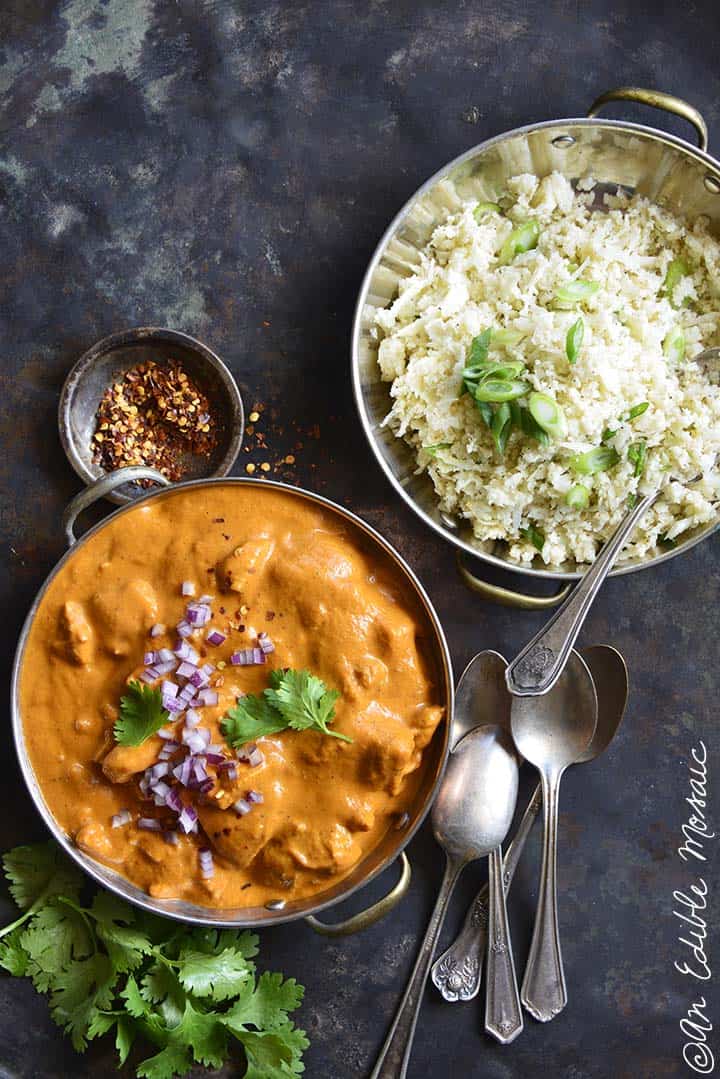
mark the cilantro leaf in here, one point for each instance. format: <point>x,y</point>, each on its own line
<point>273,1054</point>
<point>296,699</point>
<point>174,1059</point>
<point>216,976</point>
<point>267,1005</point>
<point>124,1038</point>
<point>37,870</point>
<point>56,935</point>
<point>141,715</point>
<point>251,718</point>
<point>303,700</point>
<point>82,989</point>
<point>125,945</point>
<point>13,957</point>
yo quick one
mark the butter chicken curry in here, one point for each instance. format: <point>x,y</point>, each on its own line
<point>225,696</point>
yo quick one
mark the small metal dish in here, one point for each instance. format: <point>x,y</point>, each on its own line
<point>107,360</point>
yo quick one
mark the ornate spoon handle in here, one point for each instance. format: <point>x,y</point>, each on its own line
<point>503,1016</point>
<point>395,1053</point>
<point>541,662</point>
<point>458,970</point>
<point>543,990</point>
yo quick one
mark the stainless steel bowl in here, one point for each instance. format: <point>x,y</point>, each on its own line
<point>661,167</point>
<point>394,842</point>
<point>109,359</point>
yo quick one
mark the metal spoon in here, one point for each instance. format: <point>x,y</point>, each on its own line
<point>481,695</point>
<point>552,732</point>
<point>457,972</point>
<point>472,813</point>
<point>537,668</point>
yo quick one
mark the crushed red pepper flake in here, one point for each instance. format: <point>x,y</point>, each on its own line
<point>154,415</point>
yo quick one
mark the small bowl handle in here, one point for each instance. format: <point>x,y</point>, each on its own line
<point>365,918</point>
<point>506,597</point>
<point>103,487</point>
<point>657,100</point>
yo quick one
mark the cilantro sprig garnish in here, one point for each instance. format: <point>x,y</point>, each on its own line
<point>297,700</point>
<point>189,993</point>
<point>141,714</point>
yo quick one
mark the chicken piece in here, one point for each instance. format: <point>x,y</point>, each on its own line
<point>386,749</point>
<point>77,640</point>
<point>238,839</point>
<point>124,762</point>
<point>368,675</point>
<point>360,814</point>
<point>125,618</point>
<point>242,571</point>
<point>299,846</point>
<point>93,838</point>
<point>425,722</point>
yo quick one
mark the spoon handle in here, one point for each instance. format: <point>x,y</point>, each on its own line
<point>544,993</point>
<point>537,668</point>
<point>458,971</point>
<point>395,1054</point>
<point>503,1017</point>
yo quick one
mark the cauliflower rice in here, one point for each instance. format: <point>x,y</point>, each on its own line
<point>461,289</point>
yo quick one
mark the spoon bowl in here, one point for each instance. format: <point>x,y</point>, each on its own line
<point>472,813</point>
<point>481,696</point>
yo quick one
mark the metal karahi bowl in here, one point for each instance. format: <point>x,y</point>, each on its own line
<point>393,843</point>
<point>663,168</point>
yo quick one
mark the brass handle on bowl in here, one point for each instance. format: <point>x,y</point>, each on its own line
<point>657,99</point>
<point>506,597</point>
<point>103,487</point>
<point>365,918</point>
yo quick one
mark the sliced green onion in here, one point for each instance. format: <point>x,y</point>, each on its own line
<point>607,434</point>
<point>504,371</point>
<point>486,411</point>
<point>479,347</point>
<point>674,345</point>
<point>665,541</point>
<point>534,535</point>
<point>547,414</point>
<point>575,292</point>
<point>637,410</point>
<point>532,429</point>
<point>501,427</point>
<point>524,238</point>
<point>431,451</point>
<point>637,455</point>
<point>574,340</point>
<point>577,497</point>
<point>676,271</point>
<point>501,390</point>
<point>508,338</point>
<point>483,208</point>
<point>599,459</point>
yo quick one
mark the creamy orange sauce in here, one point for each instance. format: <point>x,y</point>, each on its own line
<point>330,601</point>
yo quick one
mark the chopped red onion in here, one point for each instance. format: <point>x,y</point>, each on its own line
<point>198,679</point>
<point>149,824</point>
<point>186,694</point>
<point>159,770</point>
<point>247,657</point>
<point>228,769</point>
<point>183,771</point>
<point>192,718</point>
<point>184,628</point>
<point>161,669</point>
<point>214,758</point>
<point>171,837</point>
<point>174,801</point>
<point>208,697</point>
<point>157,630</point>
<point>144,785</point>
<point>188,588</point>
<point>169,689</point>
<point>207,867</point>
<point>254,798</point>
<point>207,669</point>
<point>171,705</point>
<point>241,807</point>
<point>255,758</point>
<point>168,750</point>
<point>206,786</point>
<point>118,820</point>
<point>198,614</point>
<point>148,677</point>
<point>166,655</point>
<point>149,658</point>
<point>266,645</point>
<point>215,637</point>
<point>160,791</point>
<point>206,599</point>
<point>166,733</point>
<point>182,649</point>
<point>186,670</point>
<point>187,821</point>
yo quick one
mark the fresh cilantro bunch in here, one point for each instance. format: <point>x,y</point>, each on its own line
<point>192,994</point>
<point>141,714</point>
<point>295,699</point>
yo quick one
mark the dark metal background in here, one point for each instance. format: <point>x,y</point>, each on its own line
<point>226,168</point>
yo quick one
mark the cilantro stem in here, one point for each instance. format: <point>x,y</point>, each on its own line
<point>32,909</point>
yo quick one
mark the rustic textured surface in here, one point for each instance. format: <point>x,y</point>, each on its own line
<point>226,169</point>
